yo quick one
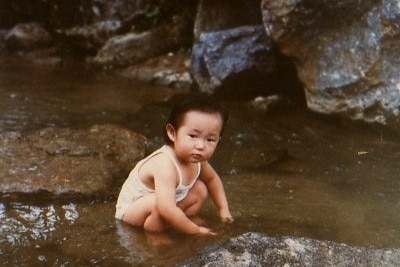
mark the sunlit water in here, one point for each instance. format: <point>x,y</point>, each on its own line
<point>286,172</point>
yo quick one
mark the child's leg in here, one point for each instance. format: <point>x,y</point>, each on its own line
<point>143,213</point>
<point>194,201</point>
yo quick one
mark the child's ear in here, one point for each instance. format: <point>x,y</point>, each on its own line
<point>170,132</point>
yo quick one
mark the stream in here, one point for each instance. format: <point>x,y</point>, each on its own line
<point>287,171</point>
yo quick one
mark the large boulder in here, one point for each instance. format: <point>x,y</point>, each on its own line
<point>230,47</point>
<point>67,161</point>
<point>254,249</point>
<point>346,53</point>
<point>223,54</point>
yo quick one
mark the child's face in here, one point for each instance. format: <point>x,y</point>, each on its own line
<point>197,137</point>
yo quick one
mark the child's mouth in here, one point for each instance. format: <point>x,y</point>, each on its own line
<point>197,156</point>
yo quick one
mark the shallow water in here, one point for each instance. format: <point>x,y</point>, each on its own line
<point>286,172</point>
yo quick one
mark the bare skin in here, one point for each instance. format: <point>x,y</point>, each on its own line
<point>194,141</point>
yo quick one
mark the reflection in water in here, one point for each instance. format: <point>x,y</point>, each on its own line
<point>158,248</point>
<point>134,241</point>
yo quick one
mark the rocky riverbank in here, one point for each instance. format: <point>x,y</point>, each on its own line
<point>255,249</point>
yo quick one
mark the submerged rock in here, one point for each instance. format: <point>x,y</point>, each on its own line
<point>68,161</point>
<point>255,249</point>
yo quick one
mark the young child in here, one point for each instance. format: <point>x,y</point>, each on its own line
<point>172,184</point>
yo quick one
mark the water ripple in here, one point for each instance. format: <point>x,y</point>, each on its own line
<point>24,223</point>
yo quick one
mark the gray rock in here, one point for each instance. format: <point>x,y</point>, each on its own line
<point>170,70</point>
<point>91,37</point>
<point>254,249</point>
<point>28,36</point>
<point>222,54</point>
<point>346,53</point>
<point>133,48</point>
<point>66,161</point>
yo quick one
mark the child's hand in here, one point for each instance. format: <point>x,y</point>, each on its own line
<point>226,216</point>
<point>206,231</point>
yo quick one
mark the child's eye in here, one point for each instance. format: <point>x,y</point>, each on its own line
<point>211,140</point>
<point>192,136</point>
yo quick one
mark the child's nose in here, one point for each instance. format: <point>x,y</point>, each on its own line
<point>200,143</point>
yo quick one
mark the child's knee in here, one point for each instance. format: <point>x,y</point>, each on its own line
<point>154,223</point>
<point>201,190</point>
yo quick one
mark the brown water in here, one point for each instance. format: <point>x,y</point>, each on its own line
<point>286,172</point>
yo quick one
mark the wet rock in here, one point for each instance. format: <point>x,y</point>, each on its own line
<point>91,37</point>
<point>28,36</point>
<point>254,249</point>
<point>346,54</point>
<point>133,48</point>
<point>222,54</point>
<point>171,70</point>
<point>67,161</point>
<point>231,52</point>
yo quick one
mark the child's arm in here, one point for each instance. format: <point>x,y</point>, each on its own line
<point>165,184</point>
<point>216,190</point>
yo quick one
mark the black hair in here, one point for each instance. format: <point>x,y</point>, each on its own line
<point>193,102</point>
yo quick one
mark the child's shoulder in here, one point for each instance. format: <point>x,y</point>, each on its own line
<point>159,158</point>
<point>158,162</point>
<point>157,155</point>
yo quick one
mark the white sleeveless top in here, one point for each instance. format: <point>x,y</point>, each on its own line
<point>133,188</point>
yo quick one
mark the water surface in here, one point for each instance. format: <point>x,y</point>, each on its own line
<point>286,172</point>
